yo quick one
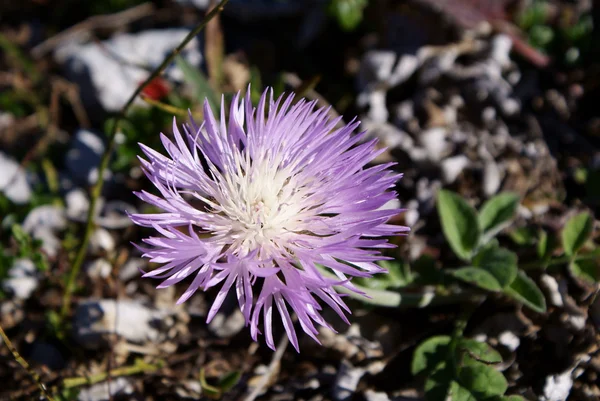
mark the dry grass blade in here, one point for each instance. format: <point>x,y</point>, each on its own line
<point>21,361</point>
<point>84,28</point>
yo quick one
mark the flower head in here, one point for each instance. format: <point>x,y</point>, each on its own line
<point>268,201</point>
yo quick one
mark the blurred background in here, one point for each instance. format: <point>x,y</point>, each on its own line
<point>491,103</point>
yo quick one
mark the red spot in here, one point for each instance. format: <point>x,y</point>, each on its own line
<point>156,89</point>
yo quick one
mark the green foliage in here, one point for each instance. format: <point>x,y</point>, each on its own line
<point>224,384</point>
<point>459,223</point>
<point>576,232</point>
<point>477,276</point>
<point>458,369</point>
<point>398,275</point>
<point>199,84</point>
<point>492,267</point>
<point>500,262</point>
<point>587,269</point>
<point>29,248</point>
<point>566,41</point>
<point>497,213</point>
<point>68,394</point>
<point>525,290</point>
<point>348,13</point>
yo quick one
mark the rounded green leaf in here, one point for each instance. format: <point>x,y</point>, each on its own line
<point>498,211</point>
<point>586,269</point>
<point>576,232</point>
<point>459,223</point>
<point>500,262</point>
<point>526,291</point>
<point>429,354</point>
<point>479,351</point>
<point>482,381</point>
<point>479,277</point>
<point>459,393</point>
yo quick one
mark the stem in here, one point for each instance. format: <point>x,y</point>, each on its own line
<point>97,189</point>
<point>457,334</point>
<point>25,365</point>
<point>138,367</point>
<point>395,299</point>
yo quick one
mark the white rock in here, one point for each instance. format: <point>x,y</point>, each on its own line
<point>42,223</point>
<point>50,241</point>
<point>127,318</point>
<point>452,167</point>
<point>48,216</point>
<point>550,285</point>
<point>371,395</point>
<point>509,340</point>
<point>377,65</point>
<point>377,106</point>
<point>22,280</point>
<point>106,390</point>
<point>101,241</point>
<point>83,157</point>
<point>557,387</point>
<point>388,135</point>
<point>131,269</point>
<point>491,178</point>
<point>111,66</point>
<point>227,326</point>
<point>501,46</point>
<point>6,119</point>
<point>98,268</point>
<point>404,70</point>
<point>77,204</point>
<point>411,216</point>
<point>13,180</point>
<point>434,142</point>
<point>347,381</point>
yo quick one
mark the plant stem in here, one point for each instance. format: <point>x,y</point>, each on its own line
<point>25,365</point>
<point>395,299</point>
<point>457,334</point>
<point>138,367</point>
<point>97,189</point>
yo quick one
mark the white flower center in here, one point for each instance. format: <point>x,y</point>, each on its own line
<point>262,205</point>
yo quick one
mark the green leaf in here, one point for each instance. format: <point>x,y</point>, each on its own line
<point>438,384</point>
<point>497,212</point>
<point>479,351</point>
<point>459,393</point>
<point>522,236</point>
<point>209,390</point>
<point>349,13</point>
<point>479,277</point>
<point>576,231</point>
<point>459,223</point>
<point>20,236</point>
<point>586,269</point>
<point>429,354</point>
<point>482,381</point>
<point>200,86</point>
<point>500,262</point>
<point>526,291</point>
<point>546,246</point>
<point>229,380</point>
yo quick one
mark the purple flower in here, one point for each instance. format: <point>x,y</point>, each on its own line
<point>271,199</point>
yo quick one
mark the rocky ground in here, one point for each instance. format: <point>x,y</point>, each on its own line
<point>477,97</point>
